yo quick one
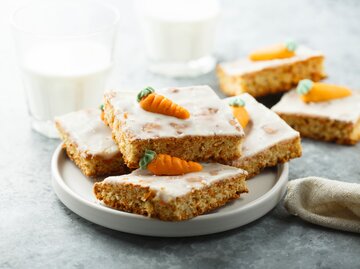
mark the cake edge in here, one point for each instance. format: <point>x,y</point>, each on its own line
<point>143,201</point>
<point>92,165</point>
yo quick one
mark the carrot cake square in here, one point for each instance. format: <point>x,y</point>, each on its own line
<point>173,198</point>
<point>207,132</point>
<point>88,143</point>
<point>265,75</point>
<point>336,120</point>
<point>269,140</point>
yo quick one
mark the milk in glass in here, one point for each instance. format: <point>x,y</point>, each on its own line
<point>65,51</point>
<point>179,35</point>
<point>64,77</point>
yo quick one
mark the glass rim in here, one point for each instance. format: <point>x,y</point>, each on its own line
<point>110,7</point>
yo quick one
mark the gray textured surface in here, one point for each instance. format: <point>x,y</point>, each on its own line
<point>37,231</point>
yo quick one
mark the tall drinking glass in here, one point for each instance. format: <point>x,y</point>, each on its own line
<point>65,52</point>
<point>179,35</point>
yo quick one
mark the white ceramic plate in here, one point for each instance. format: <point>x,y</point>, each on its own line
<point>75,191</point>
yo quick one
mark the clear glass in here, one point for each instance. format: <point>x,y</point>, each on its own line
<point>65,52</point>
<point>179,35</point>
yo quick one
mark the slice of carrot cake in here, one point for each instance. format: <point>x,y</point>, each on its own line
<point>187,122</point>
<point>271,70</point>
<point>88,143</point>
<point>322,111</point>
<point>269,140</point>
<point>175,197</point>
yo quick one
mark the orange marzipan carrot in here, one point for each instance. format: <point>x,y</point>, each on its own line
<point>239,111</point>
<point>279,51</point>
<point>166,165</point>
<point>102,114</point>
<point>320,92</point>
<point>153,102</point>
<point>241,115</point>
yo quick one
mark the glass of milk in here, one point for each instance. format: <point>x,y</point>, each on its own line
<point>65,51</point>
<point>179,35</point>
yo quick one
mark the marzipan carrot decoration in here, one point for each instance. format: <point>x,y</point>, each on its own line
<point>153,102</point>
<point>319,92</point>
<point>102,111</point>
<point>239,111</point>
<point>166,165</point>
<point>279,51</point>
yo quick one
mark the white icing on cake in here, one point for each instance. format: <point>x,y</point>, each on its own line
<point>265,128</point>
<point>245,65</point>
<point>345,109</point>
<point>170,187</point>
<point>90,134</point>
<point>208,115</point>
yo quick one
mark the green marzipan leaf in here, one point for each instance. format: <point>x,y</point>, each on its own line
<point>237,102</point>
<point>149,155</point>
<point>304,86</point>
<point>145,92</point>
<point>291,45</point>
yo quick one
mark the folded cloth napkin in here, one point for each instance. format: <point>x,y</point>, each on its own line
<point>325,202</point>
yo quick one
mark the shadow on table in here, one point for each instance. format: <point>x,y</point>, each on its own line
<point>133,238</point>
<point>278,223</point>
<point>270,100</point>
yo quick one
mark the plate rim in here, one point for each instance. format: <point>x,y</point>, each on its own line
<point>282,178</point>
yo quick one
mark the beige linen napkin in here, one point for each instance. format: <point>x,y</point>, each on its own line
<point>325,202</point>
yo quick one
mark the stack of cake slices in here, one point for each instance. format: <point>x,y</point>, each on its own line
<point>174,153</point>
